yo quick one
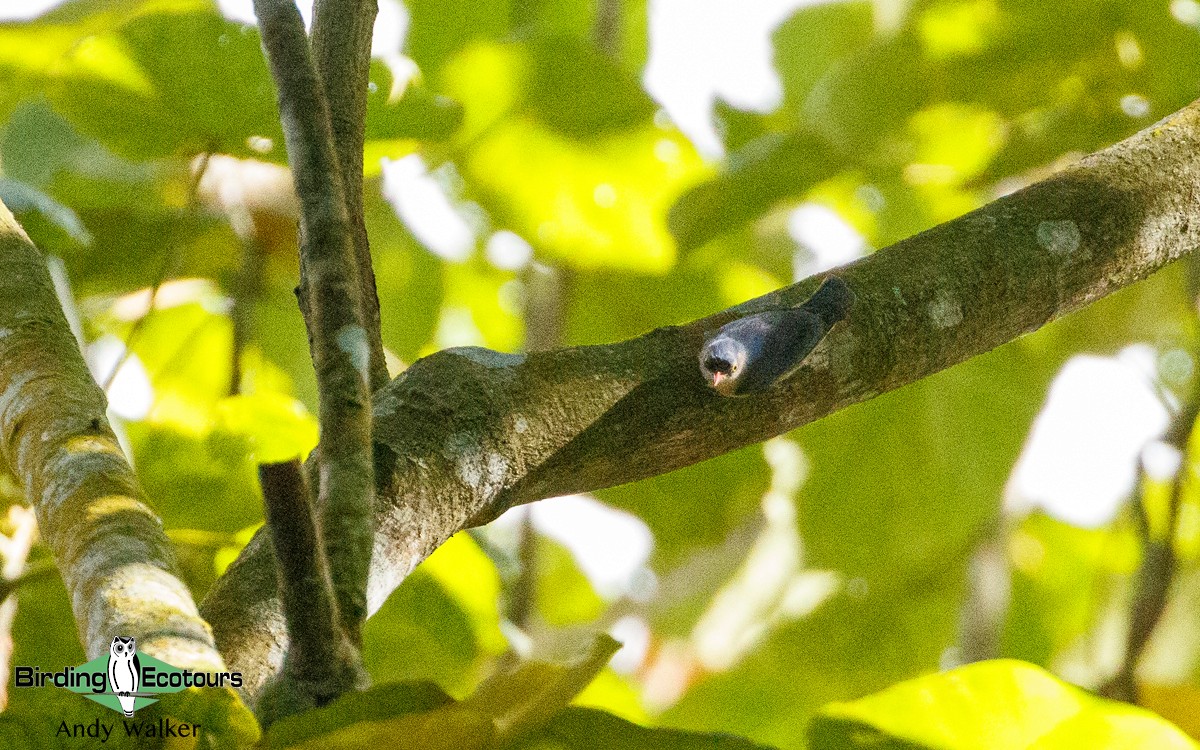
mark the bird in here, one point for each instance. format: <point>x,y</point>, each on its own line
<point>124,671</point>
<point>753,353</point>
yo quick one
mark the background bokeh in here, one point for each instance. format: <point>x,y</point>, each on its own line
<point>564,172</point>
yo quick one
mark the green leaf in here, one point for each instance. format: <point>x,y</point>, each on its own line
<point>582,93</point>
<point>857,642</point>
<point>31,50</point>
<point>893,522</point>
<point>380,702</point>
<point>564,594</point>
<point>442,624</point>
<point>414,113</point>
<point>440,28</point>
<point>766,170</point>
<point>809,42</point>
<point>422,632</point>
<point>1055,571</point>
<point>23,199</point>
<point>227,722</point>
<point>585,205</point>
<point>277,427</point>
<point>211,93</point>
<point>589,729</point>
<point>997,705</point>
<point>523,700</point>
<point>698,506</point>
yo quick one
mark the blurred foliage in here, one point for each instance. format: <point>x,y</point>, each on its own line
<point>784,582</point>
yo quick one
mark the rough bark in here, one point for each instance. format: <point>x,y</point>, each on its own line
<point>341,44</point>
<point>465,434</point>
<point>329,293</point>
<point>55,438</point>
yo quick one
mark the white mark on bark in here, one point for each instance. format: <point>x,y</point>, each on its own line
<point>945,311</point>
<point>385,404</point>
<point>520,424</point>
<point>5,332</point>
<point>478,469</point>
<point>1061,238</point>
<point>352,340</point>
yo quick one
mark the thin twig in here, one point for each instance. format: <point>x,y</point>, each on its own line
<point>247,289</point>
<point>989,589</point>
<point>1156,572</point>
<point>606,30</point>
<point>170,255</point>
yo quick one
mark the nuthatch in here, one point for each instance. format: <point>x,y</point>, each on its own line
<point>751,354</point>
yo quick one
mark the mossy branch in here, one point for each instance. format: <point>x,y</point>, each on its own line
<point>55,438</point>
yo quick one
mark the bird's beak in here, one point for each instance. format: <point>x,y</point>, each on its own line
<point>717,377</point>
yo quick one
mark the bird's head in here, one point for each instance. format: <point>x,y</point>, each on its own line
<point>722,361</point>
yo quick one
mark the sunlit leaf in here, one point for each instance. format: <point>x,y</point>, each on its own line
<point>997,705</point>
<point>389,700</point>
<point>523,700</point>
<point>213,92</point>
<point>277,427</point>
<point>809,42</point>
<point>599,204</point>
<point>438,29</point>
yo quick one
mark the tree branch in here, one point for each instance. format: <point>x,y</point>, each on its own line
<point>466,433</point>
<point>329,285</point>
<point>316,668</point>
<point>341,43</point>
<point>54,436</point>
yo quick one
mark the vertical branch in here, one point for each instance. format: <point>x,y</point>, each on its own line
<point>54,436</point>
<point>1156,572</point>
<point>246,292</point>
<point>341,43</point>
<point>329,290</point>
<point>319,664</point>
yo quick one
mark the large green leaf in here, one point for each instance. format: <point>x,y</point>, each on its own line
<point>439,29</point>
<point>442,624</point>
<point>998,705</point>
<point>766,170</point>
<point>809,42</point>
<point>211,93</point>
<point>588,729</point>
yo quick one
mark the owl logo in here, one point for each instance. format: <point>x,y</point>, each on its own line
<point>124,671</point>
